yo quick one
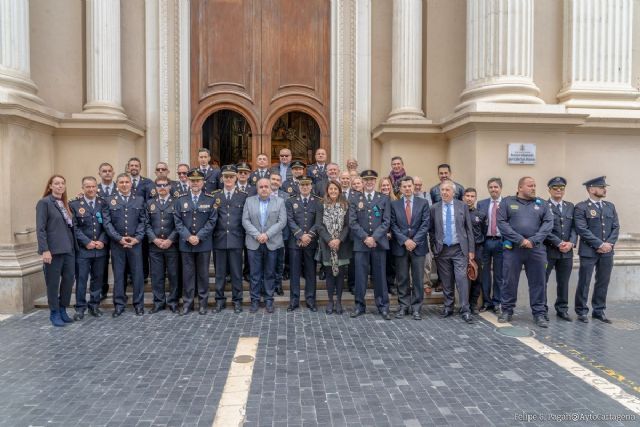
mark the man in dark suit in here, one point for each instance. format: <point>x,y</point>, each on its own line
<point>228,239</point>
<point>560,243</point>
<point>125,221</point>
<point>163,253</point>
<point>144,188</point>
<point>195,218</point>
<point>451,235</point>
<point>302,244</point>
<point>491,257</point>
<point>284,167</point>
<point>524,221</point>
<point>106,188</point>
<point>479,223</point>
<point>369,221</point>
<point>410,219</point>
<point>211,175</point>
<point>596,223</point>
<point>261,171</point>
<point>444,174</point>
<point>92,243</point>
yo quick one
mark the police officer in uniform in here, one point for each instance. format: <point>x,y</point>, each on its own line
<point>302,244</point>
<point>125,221</point>
<point>195,218</point>
<point>596,223</point>
<point>180,187</point>
<point>292,185</point>
<point>243,184</point>
<point>369,221</point>
<point>228,239</point>
<point>262,169</point>
<point>105,189</point>
<point>560,243</point>
<point>524,221</point>
<point>211,175</point>
<point>92,247</point>
<point>163,254</point>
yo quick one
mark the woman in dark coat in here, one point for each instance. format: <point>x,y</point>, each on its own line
<point>332,224</point>
<point>56,244</point>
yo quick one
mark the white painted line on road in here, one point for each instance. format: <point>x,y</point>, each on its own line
<point>232,406</point>
<point>599,383</point>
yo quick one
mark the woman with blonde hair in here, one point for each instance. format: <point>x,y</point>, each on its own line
<point>56,244</point>
<point>385,186</point>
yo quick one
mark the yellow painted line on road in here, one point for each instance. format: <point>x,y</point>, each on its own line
<point>599,383</point>
<point>233,402</point>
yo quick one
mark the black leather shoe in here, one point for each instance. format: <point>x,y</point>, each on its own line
<point>291,308</point>
<point>185,311</point>
<point>467,317</point>
<point>118,312</point>
<point>329,309</point>
<point>541,322</point>
<point>269,308</point>
<point>564,316</point>
<point>173,308</point>
<point>339,309</point>
<point>218,308</point>
<point>583,318</point>
<point>446,313</point>
<point>237,309</point>
<point>505,317</point>
<point>202,310</point>
<point>312,307</point>
<point>254,307</point>
<point>385,315</point>
<point>103,297</point>
<point>79,315</point>
<point>400,314</point>
<point>95,312</point>
<point>417,315</point>
<point>602,318</point>
<point>322,275</point>
<point>139,311</point>
<point>474,310</point>
<point>546,317</point>
<point>156,308</point>
<point>356,313</point>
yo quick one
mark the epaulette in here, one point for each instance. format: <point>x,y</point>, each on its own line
<point>208,194</point>
<point>216,191</point>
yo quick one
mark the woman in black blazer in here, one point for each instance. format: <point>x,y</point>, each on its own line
<point>332,224</point>
<point>56,244</point>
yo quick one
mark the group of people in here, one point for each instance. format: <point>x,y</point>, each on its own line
<point>356,226</point>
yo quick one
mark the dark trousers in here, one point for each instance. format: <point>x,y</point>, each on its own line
<point>492,268</point>
<point>145,257</point>
<point>58,277</point>
<point>195,275</point>
<point>334,283</point>
<point>351,274</point>
<point>391,272</point>
<point>85,267</point>
<point>374,261</point>
<point>279,273</point>
<point>229,260</point>
<point>164,264</point>
<point>476,286</point>
<point>563,268</point>
<point>534,261</point>
<point>121,258</point>
<point>603,266</point>
<point>302,263</point>
<point>105,274</point>
<point>410,275</point>
<point>262,266</point>
<point>452,269</point>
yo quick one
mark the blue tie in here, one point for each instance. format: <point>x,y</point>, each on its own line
<point>448,231</point>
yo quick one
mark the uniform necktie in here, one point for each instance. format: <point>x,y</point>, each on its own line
<point>369,197</point>
<point>600,205</point>
<point>195,200</point>
<point>184,188</point>
<point>162,202</point>
<point>135,184</point>
<point>305,202</point>
<point>448,230</point>
<point>242,188</point>
<point>228,196</point>
<point>106,191</point>
<point>560,207</point>
<point>494,213</point>
<point>91,204</point>
<point>407,211</point>
<point>126,200</point>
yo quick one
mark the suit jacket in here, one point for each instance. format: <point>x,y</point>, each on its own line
<point>144,188</point>
<point>88,225</point>
<point>435,192</point>
<point>417,231</point>
<point>464,228</point>
<point>563,231</point>
<point>595,226</point>
<point>369,219</point>
<point>255,176</point>
<point>276,222</point>
<point>276,169</point>
<point>229,232</point>
<point>177,190</point>
<point>192,220</point>
<point>53,232</point>
<point>211,180</point>
<point>161,222</point>
<point>101,192</point>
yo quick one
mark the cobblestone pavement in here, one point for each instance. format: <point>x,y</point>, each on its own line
<point>311,369</point>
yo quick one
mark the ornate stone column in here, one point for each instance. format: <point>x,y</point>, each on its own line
<point>406,99</point>
<point>15,73</point>
<point>104,79</point>
<point>597,54</point>
<point>500,52</point>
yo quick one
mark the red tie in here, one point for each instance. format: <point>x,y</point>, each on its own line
<point>494,213</point>
<point>407,211</point>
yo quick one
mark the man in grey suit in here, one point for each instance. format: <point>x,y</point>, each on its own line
<point>263,218</point>
<point>451,234</point>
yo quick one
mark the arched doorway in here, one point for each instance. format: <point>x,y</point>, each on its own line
<point>298,132</point>
<point>227,134</point>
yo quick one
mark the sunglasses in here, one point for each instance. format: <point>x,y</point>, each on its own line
<point>285,155</point>
<point>161,169</point>
<point>162,185</point>
<point>558,187</point>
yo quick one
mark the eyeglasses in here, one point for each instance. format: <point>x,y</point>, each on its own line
<point>161,169</point>
<point>162,185</point>
<point>557,187</point>
<point>182,173</point>
<point>285,155</point>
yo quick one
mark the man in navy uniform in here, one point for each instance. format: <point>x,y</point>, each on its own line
<point>228,239</point>
<point>163,254</point>
<point>596,223</point>
<point>105,189</point>
<point>302,244</point>
<point>369,221</point>
<point>318,170</point>
<point>92,247</point>
<point>292,185</point>
<point>211,175</point>
<point>524,221</point>
<point>262,169</point>
<point>195,218</point>
<point>125,220</point>
<point>560,243</point>
<point>140,185</point>
<point>479,224</point>
<point>410,219</point>
<point>243,182</point>
<point>180,187</point>
<point>492,250</point>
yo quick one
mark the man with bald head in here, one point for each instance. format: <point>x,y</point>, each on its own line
<point>284,167</point>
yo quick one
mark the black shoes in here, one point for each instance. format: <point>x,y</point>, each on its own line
<point>79,315</point>
<point>95,312</point>
<point>218,308</point>
<point>385,315</point>
<point>157,308</point>
<point>541,322</point>
<point>280,291</point>
<point>254,307</point>
<point>292,308</point>
<point>467,317</point>
<point>237,308</point>
<point>329,309</point>
<point>564,316</point>
<point>400,313</point>
<point>446,313</point>
<point>117,312</point>
<point>269,308</point>
<point>602,318</point>
<point>338,309</point>
<point>139,311</point>
<point>505,317</point>
<point>173,308</point>
<point>203,310</point>
<point>417,316</point>
<point>185,311</point>
<point>357,312</point>
<point>312,307</point>
<point>583,318</point>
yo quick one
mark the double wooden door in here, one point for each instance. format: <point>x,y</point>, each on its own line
<point>261,59</point>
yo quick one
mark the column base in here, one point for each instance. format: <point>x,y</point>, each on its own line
<point>406,113</point>
<point>105,109</point>
<point>21,278</point>
<point>623,98</point>
<point>15,88</point>
<point>503,92</point>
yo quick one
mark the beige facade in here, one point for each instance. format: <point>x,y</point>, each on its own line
<point>475,90</point>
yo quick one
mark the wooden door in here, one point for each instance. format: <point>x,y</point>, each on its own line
<point>262,59</point>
